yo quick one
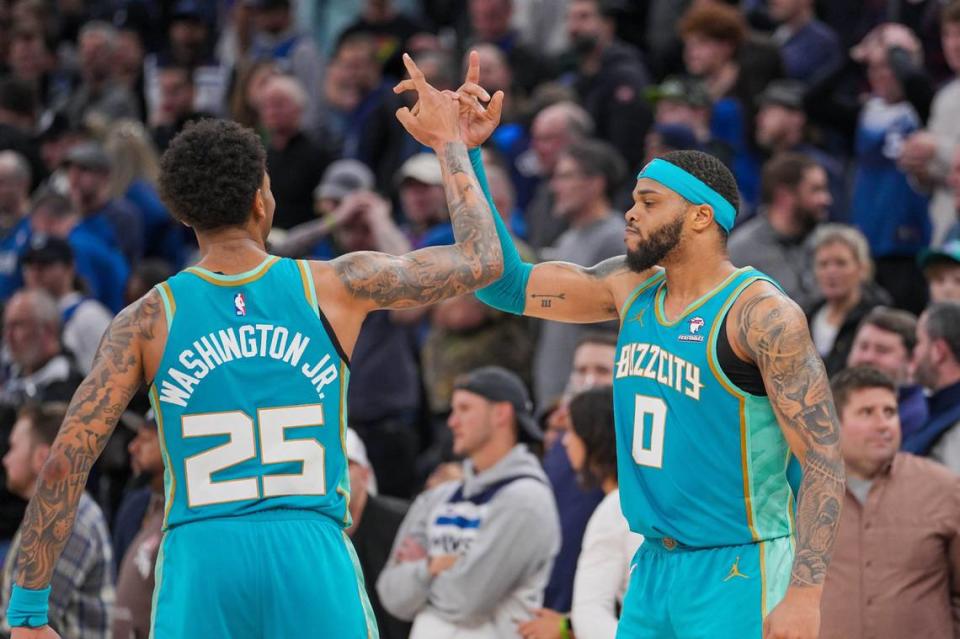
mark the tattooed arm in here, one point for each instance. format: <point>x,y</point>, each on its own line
<point>379,280</point>
<point>115,376</point>
<point>566,292</point>
<point>771,331</point>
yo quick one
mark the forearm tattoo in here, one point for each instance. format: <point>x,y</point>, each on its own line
<point>434,274</point>
<point>773,331</point>
<point>94,411</point>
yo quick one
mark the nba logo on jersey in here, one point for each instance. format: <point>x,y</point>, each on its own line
<point>696,324</point>
<point>240,304</point>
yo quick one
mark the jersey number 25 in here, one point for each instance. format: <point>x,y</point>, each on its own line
<point>275,448</point>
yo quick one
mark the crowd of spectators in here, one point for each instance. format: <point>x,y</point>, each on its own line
<point>481,457</point>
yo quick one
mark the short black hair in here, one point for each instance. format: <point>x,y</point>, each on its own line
<point>45,420</point>
<point>785,169</point>
<point>591,415</point>
<point>709,170</point>
<point>893,320</point>
<point>857,378</point>
<point>596,157</point>
<point>210,174</point>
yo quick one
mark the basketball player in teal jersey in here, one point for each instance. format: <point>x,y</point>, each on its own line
<point>246,357</point>
<point>716,382</point>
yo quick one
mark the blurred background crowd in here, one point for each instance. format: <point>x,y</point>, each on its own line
<point>839,118</point>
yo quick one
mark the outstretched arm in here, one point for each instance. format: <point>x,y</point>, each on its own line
<point>379,280</point>
<point>559,291</point>
<point>116,375</point>
<point>773,332</point>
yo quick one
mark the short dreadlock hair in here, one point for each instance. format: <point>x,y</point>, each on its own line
<point>711,172</point>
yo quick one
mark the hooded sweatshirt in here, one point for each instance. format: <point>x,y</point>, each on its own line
<point>503,526</point>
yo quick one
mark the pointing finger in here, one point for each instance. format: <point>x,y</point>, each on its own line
<point>473,68</point>
<point>416,75</point>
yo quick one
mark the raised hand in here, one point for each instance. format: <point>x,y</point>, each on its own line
<point>435,119</point>
<point>477,123</point>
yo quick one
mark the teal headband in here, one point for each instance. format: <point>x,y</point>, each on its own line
<point>690,188</point>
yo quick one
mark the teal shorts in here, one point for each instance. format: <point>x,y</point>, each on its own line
<point>265,575</point>
<point>710,593</point>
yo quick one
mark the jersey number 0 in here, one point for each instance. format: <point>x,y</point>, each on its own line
<point>648,449</point>
<point>275,448</point>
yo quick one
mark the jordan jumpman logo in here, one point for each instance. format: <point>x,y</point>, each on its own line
<point>735,571</point>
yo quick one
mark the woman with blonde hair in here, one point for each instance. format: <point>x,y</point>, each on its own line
<point>843,270</point>
<point>135,167</point>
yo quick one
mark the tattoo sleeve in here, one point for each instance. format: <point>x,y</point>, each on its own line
<point>438,273</point>
<point>773,331</point>
<point>115,376</point>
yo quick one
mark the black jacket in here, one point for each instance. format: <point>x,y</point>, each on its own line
<point>836,359</point>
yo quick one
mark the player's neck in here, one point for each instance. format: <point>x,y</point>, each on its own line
<point>693,275</point>
<point>230,251</point>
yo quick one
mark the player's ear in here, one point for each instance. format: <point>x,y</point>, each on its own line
<point>702,216</point>
<point>259,208</point>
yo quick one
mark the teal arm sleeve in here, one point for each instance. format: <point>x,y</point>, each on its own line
<point>509,293</point>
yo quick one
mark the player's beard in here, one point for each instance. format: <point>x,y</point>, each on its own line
<point>652,251</point>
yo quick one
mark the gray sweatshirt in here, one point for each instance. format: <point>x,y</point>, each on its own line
<point>506,534</point>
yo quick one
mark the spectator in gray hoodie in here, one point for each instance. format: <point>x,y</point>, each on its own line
<point>472,557</point>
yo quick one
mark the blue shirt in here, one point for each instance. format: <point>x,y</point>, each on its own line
<point>892,215</point>
<point>12,246</point>
<point>119,225</point>
<point>102,267</point>
<point>575,506</point>
<point>811,49</point>
<point>162,236</point>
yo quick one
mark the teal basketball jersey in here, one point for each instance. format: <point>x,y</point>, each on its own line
<point>700,461</point>
<point>250,396</point>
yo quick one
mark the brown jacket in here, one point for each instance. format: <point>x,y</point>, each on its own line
<point>895,572</point>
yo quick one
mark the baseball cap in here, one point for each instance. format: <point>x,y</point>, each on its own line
<point>46,249</point>
<point>422,167</point>
<point>785,93</point>
<point>497,384</point>
<point>342,178</point>
<point>948,253</point>
<point>685,89</point>
<point>88,155</point>
<point>357,453</point>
